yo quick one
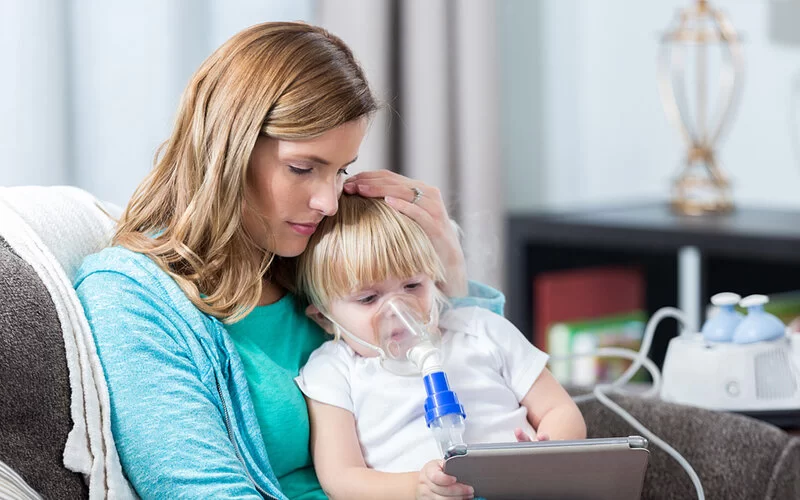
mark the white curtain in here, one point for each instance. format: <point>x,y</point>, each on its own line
<point>89,89</point>
<point>434,62</point>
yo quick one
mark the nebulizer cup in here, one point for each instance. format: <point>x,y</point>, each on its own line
<point>758,325</point>
<point>720,328</point>
<point>411,339</point>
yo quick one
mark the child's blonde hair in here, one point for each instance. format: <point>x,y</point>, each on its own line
<point>366,242</point>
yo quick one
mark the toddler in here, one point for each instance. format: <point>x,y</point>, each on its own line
<point>369,436</point>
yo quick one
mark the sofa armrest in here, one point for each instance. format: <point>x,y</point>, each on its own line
<point>34,383</point>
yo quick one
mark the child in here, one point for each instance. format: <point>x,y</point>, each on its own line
<point>368,432</point>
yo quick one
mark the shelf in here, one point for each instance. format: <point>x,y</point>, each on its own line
<point>750,250</point>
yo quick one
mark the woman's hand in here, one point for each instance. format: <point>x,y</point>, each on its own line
<point>428,211</point>
<point>434,483</point>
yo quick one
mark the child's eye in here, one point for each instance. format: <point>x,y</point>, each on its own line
<point>343,171</point>
<point>413,286</point>
<point>369,299</point>
<point>299,171</point>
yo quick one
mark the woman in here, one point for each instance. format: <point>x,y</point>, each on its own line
<point>196,327</point>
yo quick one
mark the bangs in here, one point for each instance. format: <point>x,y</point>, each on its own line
<point>366,242</point>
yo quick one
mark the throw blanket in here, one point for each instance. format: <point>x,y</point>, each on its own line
<point>53,229</point>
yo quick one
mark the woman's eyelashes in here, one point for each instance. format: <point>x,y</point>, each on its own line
<point>306,171</point>
<point>300,171</point>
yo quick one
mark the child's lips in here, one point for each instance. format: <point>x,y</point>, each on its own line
<point>398,335</point>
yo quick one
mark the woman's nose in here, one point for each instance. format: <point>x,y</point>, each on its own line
<point>325,198</point>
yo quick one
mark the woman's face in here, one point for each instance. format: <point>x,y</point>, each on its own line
<point>293,185</point>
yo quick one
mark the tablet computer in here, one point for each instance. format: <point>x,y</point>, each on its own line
<point>607,468</point>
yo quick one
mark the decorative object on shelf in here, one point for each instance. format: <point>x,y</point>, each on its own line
<point>702,186</point>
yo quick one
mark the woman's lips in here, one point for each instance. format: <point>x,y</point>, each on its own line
<point>304,229</point>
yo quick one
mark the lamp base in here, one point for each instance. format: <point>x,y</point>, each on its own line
<point>701,196</point>
<point>693,207</point>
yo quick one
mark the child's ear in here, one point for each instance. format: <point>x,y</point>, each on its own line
<point>320,319</point>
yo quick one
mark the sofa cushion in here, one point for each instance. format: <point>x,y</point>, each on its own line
<point>34,382</point>
<point>734,456</point>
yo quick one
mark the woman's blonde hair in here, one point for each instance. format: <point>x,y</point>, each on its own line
<point>282,80</point>
<point>366,242</point>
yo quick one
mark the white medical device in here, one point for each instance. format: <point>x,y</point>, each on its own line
<point>748,364</point>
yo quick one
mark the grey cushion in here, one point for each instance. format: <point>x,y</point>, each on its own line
<point>735,457</point>
<point>34,385</point>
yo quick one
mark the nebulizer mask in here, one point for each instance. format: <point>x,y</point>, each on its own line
<point>408,336</point>
<point>408,344</point>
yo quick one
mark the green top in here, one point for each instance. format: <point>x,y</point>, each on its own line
<point>274,341</point>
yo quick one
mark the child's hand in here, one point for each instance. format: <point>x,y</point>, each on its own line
<point>435,484</point>
<point>523,437</point>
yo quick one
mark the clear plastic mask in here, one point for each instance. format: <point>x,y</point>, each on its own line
<point>406,333</point>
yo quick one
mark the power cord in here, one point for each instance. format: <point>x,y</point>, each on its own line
<point>640,360</point>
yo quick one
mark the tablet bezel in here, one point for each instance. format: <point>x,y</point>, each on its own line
<point>599,468</point>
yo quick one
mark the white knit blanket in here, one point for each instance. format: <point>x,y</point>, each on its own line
<point>53,229</point>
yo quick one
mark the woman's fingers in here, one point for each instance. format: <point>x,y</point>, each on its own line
<point>417,213</point>
<point>384,179</point>
<point>428,210</point>
<point>376,174</point>
<point>429,197</point>
<point>376,177</point>
<point>394,190</point>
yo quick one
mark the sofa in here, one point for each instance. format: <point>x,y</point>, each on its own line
<point>736,457</point>
<point>34,383</point>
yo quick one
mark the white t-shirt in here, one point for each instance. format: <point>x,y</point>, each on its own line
<point>489,363</point>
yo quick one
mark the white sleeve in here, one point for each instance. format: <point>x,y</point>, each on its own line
<point>521,362</point>
<point>326,376</point>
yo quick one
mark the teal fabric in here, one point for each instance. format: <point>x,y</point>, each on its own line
<point>480,295</point>
<point>182,416</point>
<point>271,360</point>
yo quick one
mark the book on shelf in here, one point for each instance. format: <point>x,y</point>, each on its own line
<point>584,293</point>
<point>566,338</point>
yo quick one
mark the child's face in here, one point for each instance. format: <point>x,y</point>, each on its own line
<point>355,312</point>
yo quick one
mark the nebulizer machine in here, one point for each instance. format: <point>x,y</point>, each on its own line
<point>743,363</point>
<point>736,362</point>
<point>409,343</point>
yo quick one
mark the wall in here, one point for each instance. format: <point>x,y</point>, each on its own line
<point>584,108</point>
<point>91,88</point>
